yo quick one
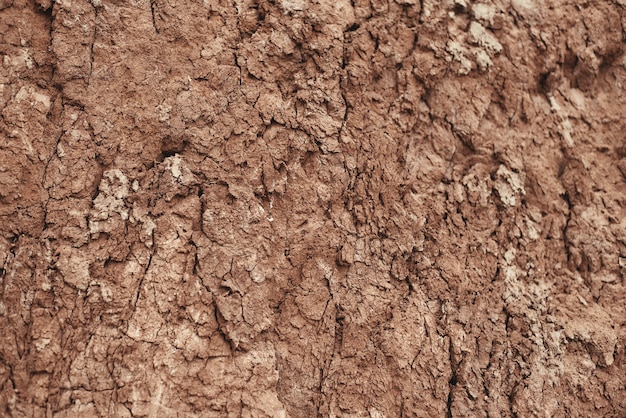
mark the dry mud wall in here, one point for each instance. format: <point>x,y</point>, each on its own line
<point>292,208</point>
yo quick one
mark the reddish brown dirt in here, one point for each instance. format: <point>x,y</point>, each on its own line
<point>291,208</point>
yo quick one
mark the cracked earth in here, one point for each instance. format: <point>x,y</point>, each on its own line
<point>312,208</point>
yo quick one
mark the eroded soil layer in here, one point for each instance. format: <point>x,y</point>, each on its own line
<point>289,208</point>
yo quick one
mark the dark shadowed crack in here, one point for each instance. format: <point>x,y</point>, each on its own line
<point>143,276</point>
<point>452,383</point>
<point>93,43</point>
<point>153,7</point>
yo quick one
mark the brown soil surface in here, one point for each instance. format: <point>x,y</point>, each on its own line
<point>300,208</point>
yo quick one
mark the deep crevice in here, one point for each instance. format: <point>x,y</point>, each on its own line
<point>153,12</point>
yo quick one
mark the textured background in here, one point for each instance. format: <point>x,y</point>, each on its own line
<point>291,208</point>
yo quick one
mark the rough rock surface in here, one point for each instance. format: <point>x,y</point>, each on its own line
<point>374,208</point>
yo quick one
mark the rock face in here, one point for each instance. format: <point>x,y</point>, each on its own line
<point>312,208</point>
